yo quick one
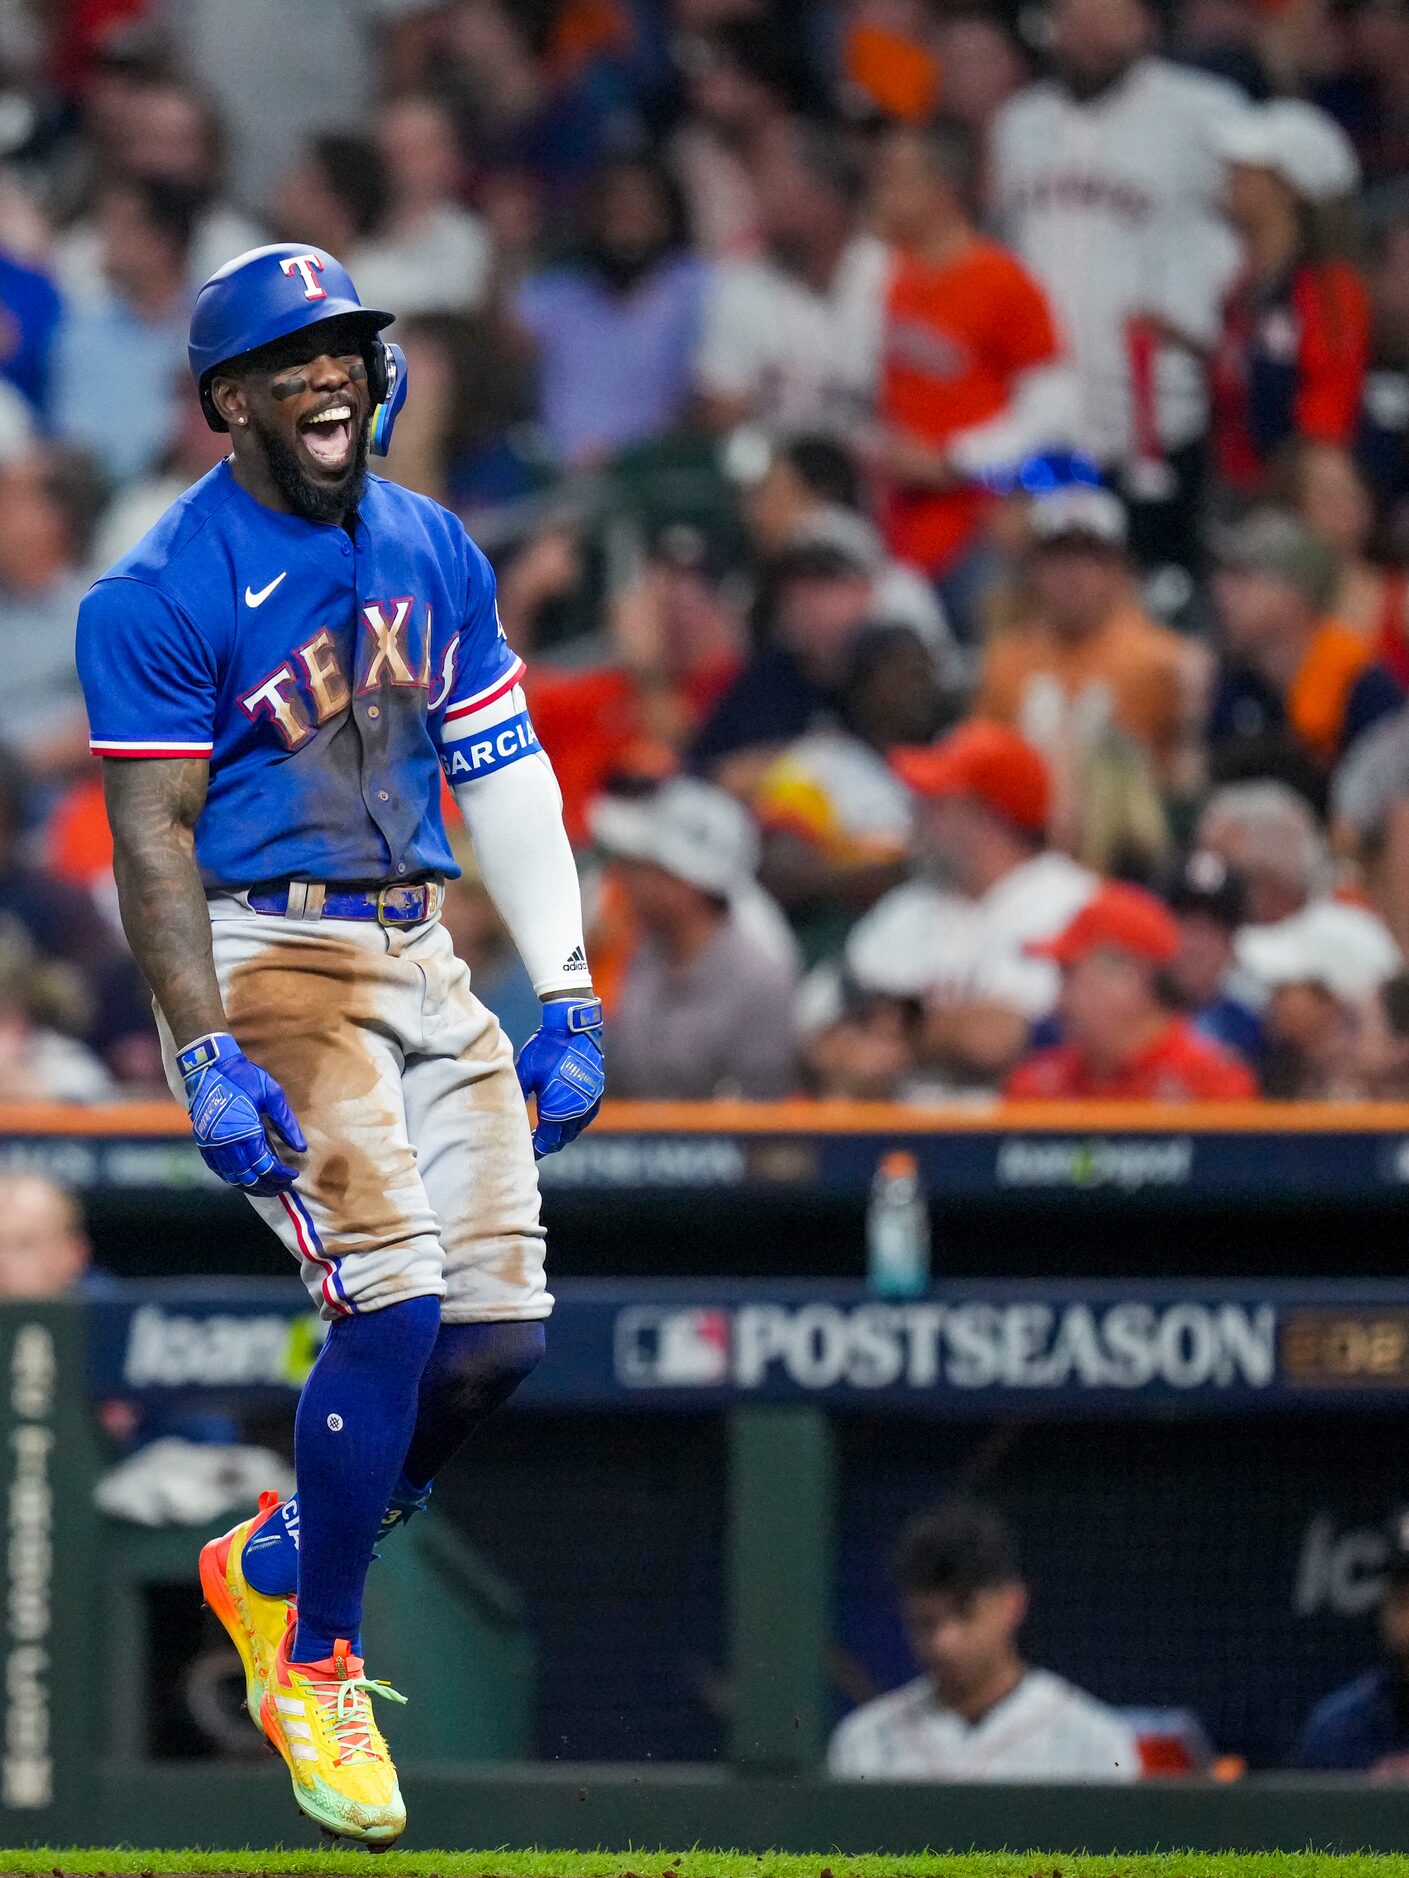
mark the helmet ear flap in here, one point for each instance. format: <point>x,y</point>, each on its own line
<point>388,397</point>
<point>381,370</point>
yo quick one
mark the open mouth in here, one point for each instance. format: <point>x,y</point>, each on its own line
<point>329,437</point>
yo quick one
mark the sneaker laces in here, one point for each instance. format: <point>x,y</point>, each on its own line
<point>347,1717</point>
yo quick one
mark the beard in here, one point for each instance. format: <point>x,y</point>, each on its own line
<point>1085,81</point>
<point>314,501</point>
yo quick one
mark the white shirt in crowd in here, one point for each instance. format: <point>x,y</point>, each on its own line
<point>926,941</point>
<point>439,263</point>
<point>801,359</point>
<point>1114,205</point>
<point>1044,1730</point>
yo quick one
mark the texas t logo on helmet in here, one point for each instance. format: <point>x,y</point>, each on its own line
<point>305,264</point>
<point>271,292</point>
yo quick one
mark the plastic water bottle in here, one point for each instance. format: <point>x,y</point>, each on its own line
<point>897,1229</point>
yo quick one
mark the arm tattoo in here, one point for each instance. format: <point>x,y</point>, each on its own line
<point>153,807</point>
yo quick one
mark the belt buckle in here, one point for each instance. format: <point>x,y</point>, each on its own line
<point>408,918</point>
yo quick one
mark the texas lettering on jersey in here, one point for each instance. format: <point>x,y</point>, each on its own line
<point>312,687</point>
<point>312,668</point>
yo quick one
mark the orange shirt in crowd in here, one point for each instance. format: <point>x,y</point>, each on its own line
<point>1319,695</point>
<point>956,337</point>
<point>78,844</point>
<point>1129,672</point>
<point>1179,1066</point>
<point>593,724</point>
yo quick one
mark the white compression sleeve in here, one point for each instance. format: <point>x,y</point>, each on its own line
<point>515,819</point>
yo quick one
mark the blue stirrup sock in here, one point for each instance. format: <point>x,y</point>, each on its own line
<point>471,1370</point>
<point>355,1418</point>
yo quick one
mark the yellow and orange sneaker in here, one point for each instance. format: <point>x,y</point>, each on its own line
<point>319,1718</point>
<point>255,1622</point>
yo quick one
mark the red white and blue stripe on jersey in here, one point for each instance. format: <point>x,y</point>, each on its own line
<point>326,676</point>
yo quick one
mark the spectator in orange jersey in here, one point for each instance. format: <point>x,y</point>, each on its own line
<point>1123,1042</point>
<point>1292,679</point>
<point>1296,323</point>
<point>971,377</point>
<point>1089,660</point>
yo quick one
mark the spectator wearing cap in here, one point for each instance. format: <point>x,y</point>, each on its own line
<point>1268,836</point>
<point>1296,324</point>
<point>1089,661</point>
<point>1320,968</point>
<point>615,332</point>
<point>791,335</point>
<point>972,381</point>
<point>978,1711</point>
<point>954,942</point>
<point>1363,1728</point>
<point>1122,1042</point>
<point>705,1008</point>
<point>1208,902</point>
<point>1292,680</point>
<point>814,603</point>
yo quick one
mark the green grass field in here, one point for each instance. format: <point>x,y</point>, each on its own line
<point>698,1864</point>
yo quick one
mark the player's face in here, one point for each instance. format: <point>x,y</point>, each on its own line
<point>962,1643</point>
<point>306,407</point>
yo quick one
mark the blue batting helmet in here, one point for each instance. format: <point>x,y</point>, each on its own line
<point>268,294</point>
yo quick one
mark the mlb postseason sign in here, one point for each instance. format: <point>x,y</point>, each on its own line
<point>954,1352</point>
<point>963,1349</point>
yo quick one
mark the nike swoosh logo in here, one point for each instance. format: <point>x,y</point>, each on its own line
<point>257,599</point>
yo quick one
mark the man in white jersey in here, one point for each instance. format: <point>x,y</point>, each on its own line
<point>979,1712</point>
<point>1107,179</point>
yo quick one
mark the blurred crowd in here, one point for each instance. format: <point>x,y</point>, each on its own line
<point>946,466</point>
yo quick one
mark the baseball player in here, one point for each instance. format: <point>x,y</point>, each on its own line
<point>276,676</point>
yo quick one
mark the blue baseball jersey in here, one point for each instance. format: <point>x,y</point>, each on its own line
<point>328,677</point>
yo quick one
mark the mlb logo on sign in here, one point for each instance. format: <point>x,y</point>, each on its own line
<point>658,1349</point>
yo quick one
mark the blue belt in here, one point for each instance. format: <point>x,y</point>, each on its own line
<point>409,905</point>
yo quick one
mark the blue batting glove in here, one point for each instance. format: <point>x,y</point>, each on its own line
<point>562,1064</point>
<point>231,1101</point>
